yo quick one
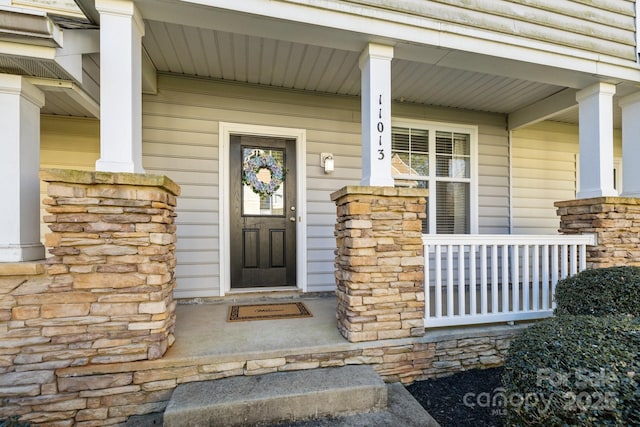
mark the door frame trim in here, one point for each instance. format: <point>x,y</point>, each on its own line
<point>225,129</point>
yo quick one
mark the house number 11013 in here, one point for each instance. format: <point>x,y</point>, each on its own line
<point>380,129</point>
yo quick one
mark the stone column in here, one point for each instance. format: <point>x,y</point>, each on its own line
<point>112,271</point>
<point>614,220</point>
<point>596,141</point>
<point>20,104</point>
<point>380,262</point>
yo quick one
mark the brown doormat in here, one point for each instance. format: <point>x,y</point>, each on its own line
<point>286,310</point>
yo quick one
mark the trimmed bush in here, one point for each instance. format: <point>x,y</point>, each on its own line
<point>13,422</point>
<point>600,292</point>
<point>574,370</point>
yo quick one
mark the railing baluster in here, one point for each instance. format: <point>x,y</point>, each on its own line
<point>525,278</point>
<point>545,277</point>
<point>472,280</point>
<point>564,261</point>
<point>438,287</point>
<point>427,282</point>
<point>536,277</point>
<point>554,272</point>
<point>483,279</point>
<point>505,278</point>
<point>450,280</point>
<point>494,278</point>
<point>573,260</point>
<point>515,278</point>
<point>583,257</point>
<point>461,286</point>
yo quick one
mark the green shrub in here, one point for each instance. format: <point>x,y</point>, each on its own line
<point>574,370</point>
<point>13,422</point>
<point>600,292</point>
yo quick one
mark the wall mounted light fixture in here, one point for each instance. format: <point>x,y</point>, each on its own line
<point>326,161</point>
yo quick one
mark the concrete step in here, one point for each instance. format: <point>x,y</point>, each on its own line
<point>281,396</point>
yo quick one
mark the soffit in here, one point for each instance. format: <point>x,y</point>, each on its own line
<point>181,49</point>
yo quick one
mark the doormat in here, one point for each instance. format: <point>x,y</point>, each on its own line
<point>286,310</point>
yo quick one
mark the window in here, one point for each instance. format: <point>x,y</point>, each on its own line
<point>442,159</point>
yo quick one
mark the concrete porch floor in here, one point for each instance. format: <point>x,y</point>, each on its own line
<point>202,331</point>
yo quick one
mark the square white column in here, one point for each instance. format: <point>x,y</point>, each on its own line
<point>121,32</point>
<point>375,66</point>
<point>630,106</point>
<point>20,104</point>
<point>596,140</point>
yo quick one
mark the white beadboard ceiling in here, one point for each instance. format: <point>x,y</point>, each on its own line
<point>222,55</point>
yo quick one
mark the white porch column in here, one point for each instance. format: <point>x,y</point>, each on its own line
<point>121,31</point>
<point>375,66</point>
<point>20,104</point>
<point>630,106</point>
<point>596,140</point>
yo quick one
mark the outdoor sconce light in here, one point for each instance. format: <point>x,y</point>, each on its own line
<point>326,161</point>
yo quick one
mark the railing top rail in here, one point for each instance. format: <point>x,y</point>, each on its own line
<point>508,239</point>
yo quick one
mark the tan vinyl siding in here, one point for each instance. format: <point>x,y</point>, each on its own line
<point>180,139</point>
<point>67,143</point>
<point>544,171</point>
<point>600,26</point>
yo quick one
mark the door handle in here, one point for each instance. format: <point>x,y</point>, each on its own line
<point>292,219</point>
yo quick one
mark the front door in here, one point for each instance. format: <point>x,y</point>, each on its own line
<point>263,211</point>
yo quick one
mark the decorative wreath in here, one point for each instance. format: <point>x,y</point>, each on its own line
<point>252,166</point>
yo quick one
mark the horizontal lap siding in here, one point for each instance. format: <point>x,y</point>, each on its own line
<point>544,172</point>
<point>595,26</point>
<point>67,143</point>
<point>180,139</point>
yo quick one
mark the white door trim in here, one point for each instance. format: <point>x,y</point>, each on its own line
<point>300,135</point>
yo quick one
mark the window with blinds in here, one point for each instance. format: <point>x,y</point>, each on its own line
<point>439,159</point>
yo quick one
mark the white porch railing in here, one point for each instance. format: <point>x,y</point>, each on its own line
<point>472,279</point>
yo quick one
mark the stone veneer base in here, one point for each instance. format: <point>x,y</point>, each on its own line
<point>107,394</point>
<point>104,297</point>
<point>379,262</point>
<point>614,220</point>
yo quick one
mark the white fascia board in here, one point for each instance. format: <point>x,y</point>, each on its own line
<point>364,24</point>
<point>27,50</point>
<point>555,104</point>
<point>73,90</point>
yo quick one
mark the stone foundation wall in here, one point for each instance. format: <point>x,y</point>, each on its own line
<point>614,220</point>
<point>379,262</point>
<point>107,394</point>
<point>104,297</point>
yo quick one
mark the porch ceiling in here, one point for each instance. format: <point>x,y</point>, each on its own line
<point>216,54</point>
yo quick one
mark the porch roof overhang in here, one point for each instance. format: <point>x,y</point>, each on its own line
<point>52,53</point>
<point>292,45</point>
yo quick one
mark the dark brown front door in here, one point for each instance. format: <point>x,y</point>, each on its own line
<point>263,227</point>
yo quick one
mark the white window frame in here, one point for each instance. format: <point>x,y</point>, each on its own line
<point>432,128</point>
